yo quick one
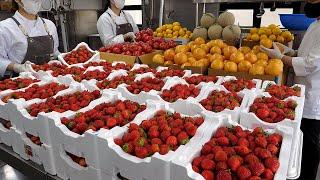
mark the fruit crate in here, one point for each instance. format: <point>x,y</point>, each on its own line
<point>266,84</point>
<point>36,126</point>
<point>181,167</point>
<point>111,57</point>
<point>41,154</point>
<point>235,114</point>
<point>95,56</point>
<point>250,119</point>
<point>114,160</point>
<point>257,82</point>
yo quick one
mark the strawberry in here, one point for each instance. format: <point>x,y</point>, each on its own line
<point>153,134</point>
<point>254,178</point>
<point>112,122</point>
<point>133,127</point>
<point>223,141</point>
<point>197,161</point>
<point>221,156</point>
<point>207,164</point>
<point>263,113</point>
<point>164,149</point>
<point>171,141</point>
<point>243,172</point>
<point>251,159</point>
<point>221,166</point>
<point>195,169</point>
<point>191,130</point>
<point>118,141</point>
<point>234,162</point>
<point>274,139</point>
<point>223,175</point>
<point>256,168</point>
<point>243,142</point>
<point>98,124</point>
<point>155,148</point>
<point>267,174</point>
<point>273,149</point>
<point>82,127</point>
<point>183,138</point>
<point>207,175</point>
<point>140,142</point>
<point>141,152</point>
<point>128,148</point>
<point>135,134</point>
<point>242,150</point>
<point>156,141</point>
<point>261,141</point>
<point>272,163</point>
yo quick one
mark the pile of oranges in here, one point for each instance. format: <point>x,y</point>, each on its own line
<point>174,30</point>
<point>267,35</point>
<point>219,56</point>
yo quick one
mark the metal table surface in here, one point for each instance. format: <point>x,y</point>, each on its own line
<point>28,168</point>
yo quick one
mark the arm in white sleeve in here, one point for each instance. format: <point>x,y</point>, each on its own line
<point>304,66</point>
<point>4,60</point>
<point>107,35</point>
<point>56,52</point>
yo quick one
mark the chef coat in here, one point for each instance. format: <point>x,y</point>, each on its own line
<point>307,69</point>
<point>13,46</point>
<point>107,26</point>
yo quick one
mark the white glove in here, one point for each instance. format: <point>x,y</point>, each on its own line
<point>19,68</point>
<point>274,53</point>
<point>286,50</point>
<point>129,35</point>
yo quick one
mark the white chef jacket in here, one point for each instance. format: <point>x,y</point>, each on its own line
<point>107,27</point>
<point>13,43</point>
<point>307,69</point>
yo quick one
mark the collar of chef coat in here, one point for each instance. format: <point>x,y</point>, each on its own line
<point>28,24</point>
<point>114,15</point>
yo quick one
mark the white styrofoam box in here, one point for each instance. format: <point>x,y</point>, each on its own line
<point>42,155</point>
<point>67,169</point>
<point>181,167</point>
<point>258,82</point>
<point>6,136</point>
<point>114,160</point>
<point>295,166</point>
<point>250,120</point>
<point>138,66</point>
<point>37,126</point>
<point>186,72</point>
<point>235,114</point>
<point>95,57</point>
<point>266,84</point>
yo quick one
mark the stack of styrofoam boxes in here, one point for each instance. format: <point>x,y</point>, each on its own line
<point>250,120</point>
<point>181,167</point>
<point>296,156</point>
<point>6,135</point>
<point>114,160</point>
<point>24,123</point>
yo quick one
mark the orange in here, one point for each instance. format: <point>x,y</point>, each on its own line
<point>211,44</point>
<point>276,31</point>
<point>244,66</point>
<point>262,56</point>
<point>262,63</point>
<point>280,39</point>
<point>253,30</point>
<point>205,61</point>
<point>244,49</point>
<point>251,57</point>
<point>266,42</point>
<point>263,36</point>
<point>273,37</point>
<point>181,48</point>
<point>199,53</point>
<point>216,57</point>
<point>158,58</point>
<point>205,47</point>
<point>255,37</point>
<point>168,63</point>
<point>195,46</point>
<point>230,66</point>
<point>227,51</point>
<point>217,64</point>
<point>256,49</point>
<point>215,50</point>
<point>198,64</point>
<point>199,41</point>
<point>191,60</point>
<point>169,55</point>
<point>256,70</point>
<point>180,58</point>
<point>274,68</point>
<point>237,57</point>
<point>219,43</point>
<point>190,44</point>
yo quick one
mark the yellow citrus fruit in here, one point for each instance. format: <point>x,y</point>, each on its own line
<point>230,66</point>
<point>158,59</point>
<point>266,43</point>
<point>274,68</point>
<point>251,57</point>
<point>182,48</point>
<point>273,37</point>
<point>215,50</point>
<point>262,56</point>
<point>276,31</point>
<point>254,30</point>
<point>237,57</point>
<point>169,55</point>
<point>256,49</point>
<point>168,63</point>
<point>280,39</point>
<point>180,58</point>
<point>191,60</point>
<point>185,65</point>
<point>262,63</point>
<point>244,49</point>
<point>199,53</point>
<point>205,47</point>
<point>198,64</point>
<point>255,37</point>
<point>256,70</point>
<point>217,64</point>
<point>199,41</point>
<point>227,51</point>
<point>244,66</point>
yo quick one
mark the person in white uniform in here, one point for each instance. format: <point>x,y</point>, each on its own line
<point>25,38</point>
<point>116,26</point>
<point>306,66</point>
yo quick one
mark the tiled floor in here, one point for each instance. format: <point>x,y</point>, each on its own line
<point>9,173</point>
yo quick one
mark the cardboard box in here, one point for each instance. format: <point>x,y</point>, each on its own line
<point>110,57</point>
<point>251,43</point>
<point>147,58</point>
<point>281,80</point>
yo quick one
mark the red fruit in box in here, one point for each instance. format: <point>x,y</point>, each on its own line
<point>195,169</point>
<point>272,163</point>
<point>243,142</point>
<point>207,175</point>
<point>268,174</point>
<point>171,141</point>
<point>221,156</point>
<point>217,101</point>
<point>164,149</point>
<point>118,141</point>
<point>239,85</point>
<point>95,74</point>
<point>261,141</point>
<point>243,172</point>
<point>195,80</point>
<point>141,152</point>
<point>170,73</point>
<point>274,139</point>
<point>224,175</point>
<point>223,141</point>
<point>47,67</point>
<point>155,148</point>
<point>251,159</point>
<point>81,55</point>
<point>183,138</point>
<point>234,162</point>
<point>256,168</point>
<point>254,178</point>
<point>179,91</point>
<point>221,166</point>
<point>146,85</point>
<point>207,164</point>
<point>128,148</point>
<point>17,83</point>
<point>282,92</point>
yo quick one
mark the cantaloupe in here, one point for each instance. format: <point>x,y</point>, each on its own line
<point>200,32</point>
<point>215,32</point>
<point>231,34</point>
<point>226,19</point>
<point>207,20</point>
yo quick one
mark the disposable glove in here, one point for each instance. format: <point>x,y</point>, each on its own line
<point>286,50</point>
<point>274,53</point>
<point>19,68</point>
<point>130,36</point>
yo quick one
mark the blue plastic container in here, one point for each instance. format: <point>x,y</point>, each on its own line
<point>298,22</point>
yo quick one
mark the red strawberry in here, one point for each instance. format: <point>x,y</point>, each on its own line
<point>261,141</point>
<point>155,148</point>
<point>110,110</point>
<point>197,161</point>
<point>153,134</point>
<point>164,135</point>
<point>242,150</point>
<point>256,168</point>
<point>272,163</point>
<point>141,152</point>
<point>224,175</point>
<point>140,142</point>
<point>128,148</point>
<point>191,130</point>
<point>268,174</point>
<point>164,149</point>
<point>207,164</point>
<point>254,178</point>
<point>221,156</point>
<point>243,142</point>
<point>195,169</point>
<point>172,141</point>
<point>274,139</point>
<point>121,106</point>
<point>133,126</point>
<point>251,159</point>
<point>112,122</point>
<point>221,166</point>
<point>118,141</point>
<point>206,149</point>
<point>263,113</point>
<point>207,175</point>
<point>223,141</point>
<point>234,162</point>
<point>98,124</point>
<point>183,138</point>
<point>134,135</point>
<point>81,127</point>
<point>243,172</point>
<point>273,149</point>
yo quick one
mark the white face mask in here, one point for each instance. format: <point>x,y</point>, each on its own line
<point>119,3</point>
<point>31,6</point>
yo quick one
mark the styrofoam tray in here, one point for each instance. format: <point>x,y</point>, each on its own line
<point>95,57</point>
<point>268,83</point>
<point>294,170</point>
<point>114,160</point>
<point>258,82</point>
<point>181,165</point>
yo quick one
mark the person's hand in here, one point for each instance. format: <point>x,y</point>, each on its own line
<point>19,68</point>
<point>274,53</point>
<point>286,50</point>
<point>130,36</point>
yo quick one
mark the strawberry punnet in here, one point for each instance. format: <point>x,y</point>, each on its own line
<point>47,67</point>
<point>282,92</point>
<point>180,91</point>
<point>239,85</point>
<point>115,82</point>
<point>81,55</point>
<point>146,84</point>
<point>15,84</point>
<point>240,154</point>
<point>170,73</point>
<point>161,133</point>
<point>195,80</point>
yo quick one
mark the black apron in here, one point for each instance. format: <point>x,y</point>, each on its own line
<point>122,28</point>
